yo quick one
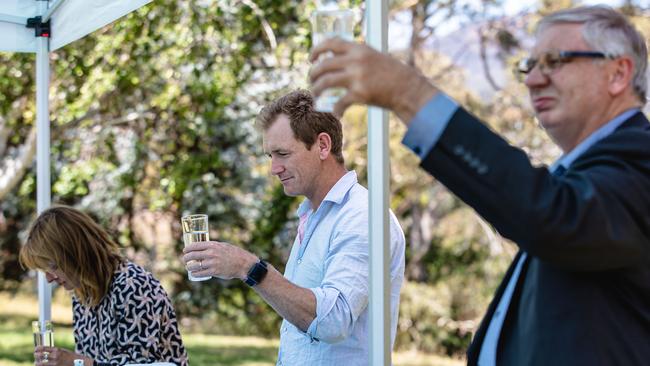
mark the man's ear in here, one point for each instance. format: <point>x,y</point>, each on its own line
<point>324,143</point>
<point>621,72</point>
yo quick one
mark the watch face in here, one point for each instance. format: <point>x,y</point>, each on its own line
<point>256,273</point>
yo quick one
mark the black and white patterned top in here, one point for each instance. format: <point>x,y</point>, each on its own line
<point>134,323</point>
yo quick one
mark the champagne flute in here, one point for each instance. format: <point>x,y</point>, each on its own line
<point>195,229</point>
<point>43,335</point>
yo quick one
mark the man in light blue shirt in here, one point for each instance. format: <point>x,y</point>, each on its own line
<point>323,296</point>
<point>578,291</point>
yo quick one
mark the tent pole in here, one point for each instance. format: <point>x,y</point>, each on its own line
<point>12,19</point>
<point>48,13</point>
<point>43,184</point>
<point>380,331</point>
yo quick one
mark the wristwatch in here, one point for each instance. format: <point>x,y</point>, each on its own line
<point>257,273</point>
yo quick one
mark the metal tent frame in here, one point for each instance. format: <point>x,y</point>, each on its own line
<point>41,27</point>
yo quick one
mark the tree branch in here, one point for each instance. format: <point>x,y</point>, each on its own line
<point>495,240</point>
<point>484,62</point>
<point>13,170</point>
<point>4,135</point>
<point>17,107</point>
<point>266,26</point>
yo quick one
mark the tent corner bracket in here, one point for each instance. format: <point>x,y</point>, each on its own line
<point>40,29</point>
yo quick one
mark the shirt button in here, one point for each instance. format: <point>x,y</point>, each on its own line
<point>299,261</point>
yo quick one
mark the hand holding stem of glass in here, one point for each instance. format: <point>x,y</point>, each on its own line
<point>195,229</point>
<point>43,333</point>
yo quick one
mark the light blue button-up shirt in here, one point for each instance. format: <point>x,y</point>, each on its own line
<point>333,262</point>
<point>424,132</point>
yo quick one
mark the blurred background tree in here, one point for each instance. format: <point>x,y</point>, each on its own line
<point>153,117</point>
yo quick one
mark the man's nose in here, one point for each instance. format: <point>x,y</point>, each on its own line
<point>276,168</point>
<point>535,78</point>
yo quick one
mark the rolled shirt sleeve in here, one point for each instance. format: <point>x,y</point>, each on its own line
<point>343,294</point>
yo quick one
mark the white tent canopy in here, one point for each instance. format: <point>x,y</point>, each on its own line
<point>69,20</point>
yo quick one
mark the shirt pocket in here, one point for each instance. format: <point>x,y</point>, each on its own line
<point>309,274</point>
<point>309,268</point>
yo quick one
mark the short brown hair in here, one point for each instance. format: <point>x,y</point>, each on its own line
<point>306,123</point>
<point>70,240</point>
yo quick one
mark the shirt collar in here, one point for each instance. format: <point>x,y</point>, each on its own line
<point>335,195</point>
<point>605,130</point>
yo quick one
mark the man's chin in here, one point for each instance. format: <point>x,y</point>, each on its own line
<point>289,192</point>
<point>546,120</point>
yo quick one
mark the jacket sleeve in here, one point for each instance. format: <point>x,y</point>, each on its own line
<point>595,217</point>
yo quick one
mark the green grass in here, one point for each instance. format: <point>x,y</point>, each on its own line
<point>17,313</point>
<point>224,350</point>
<point>16,347</point>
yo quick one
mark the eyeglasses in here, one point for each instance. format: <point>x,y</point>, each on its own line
<point>552,60</point>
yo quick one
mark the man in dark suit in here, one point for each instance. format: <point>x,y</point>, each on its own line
<point>578,291</point>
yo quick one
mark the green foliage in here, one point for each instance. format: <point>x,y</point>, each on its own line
<point>152,117</point>
<point>146,116</point>
<point>427,319</point>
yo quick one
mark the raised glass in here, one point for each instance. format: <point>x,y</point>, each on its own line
<point>329,21</point>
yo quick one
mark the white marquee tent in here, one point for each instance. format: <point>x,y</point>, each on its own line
<point>41,27</point>
<point>55,23</point>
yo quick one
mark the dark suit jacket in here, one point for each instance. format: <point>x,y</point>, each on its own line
<point>583,296</point>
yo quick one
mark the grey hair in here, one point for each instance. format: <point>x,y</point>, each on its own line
<point>608,31</point>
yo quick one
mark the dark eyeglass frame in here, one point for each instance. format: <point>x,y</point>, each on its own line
<point>552,60</point>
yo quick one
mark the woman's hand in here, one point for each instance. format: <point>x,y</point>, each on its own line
<point>54,356</point>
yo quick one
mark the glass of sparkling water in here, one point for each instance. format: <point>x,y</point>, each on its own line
<point>43,333</point>
<point>195,229</point>
<point>329,21</point>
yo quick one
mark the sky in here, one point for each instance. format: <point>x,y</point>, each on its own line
<point>514,6</point>
<point>399,29</point>
<point>460,43</point>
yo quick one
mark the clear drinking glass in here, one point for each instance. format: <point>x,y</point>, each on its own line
<point>195,229</point>
<point>43,333</point>
<point>329,21</point>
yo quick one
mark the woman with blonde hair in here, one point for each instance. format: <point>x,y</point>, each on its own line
<point>121,313</point>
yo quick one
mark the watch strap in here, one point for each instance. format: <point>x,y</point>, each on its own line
<point>257,273</point>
